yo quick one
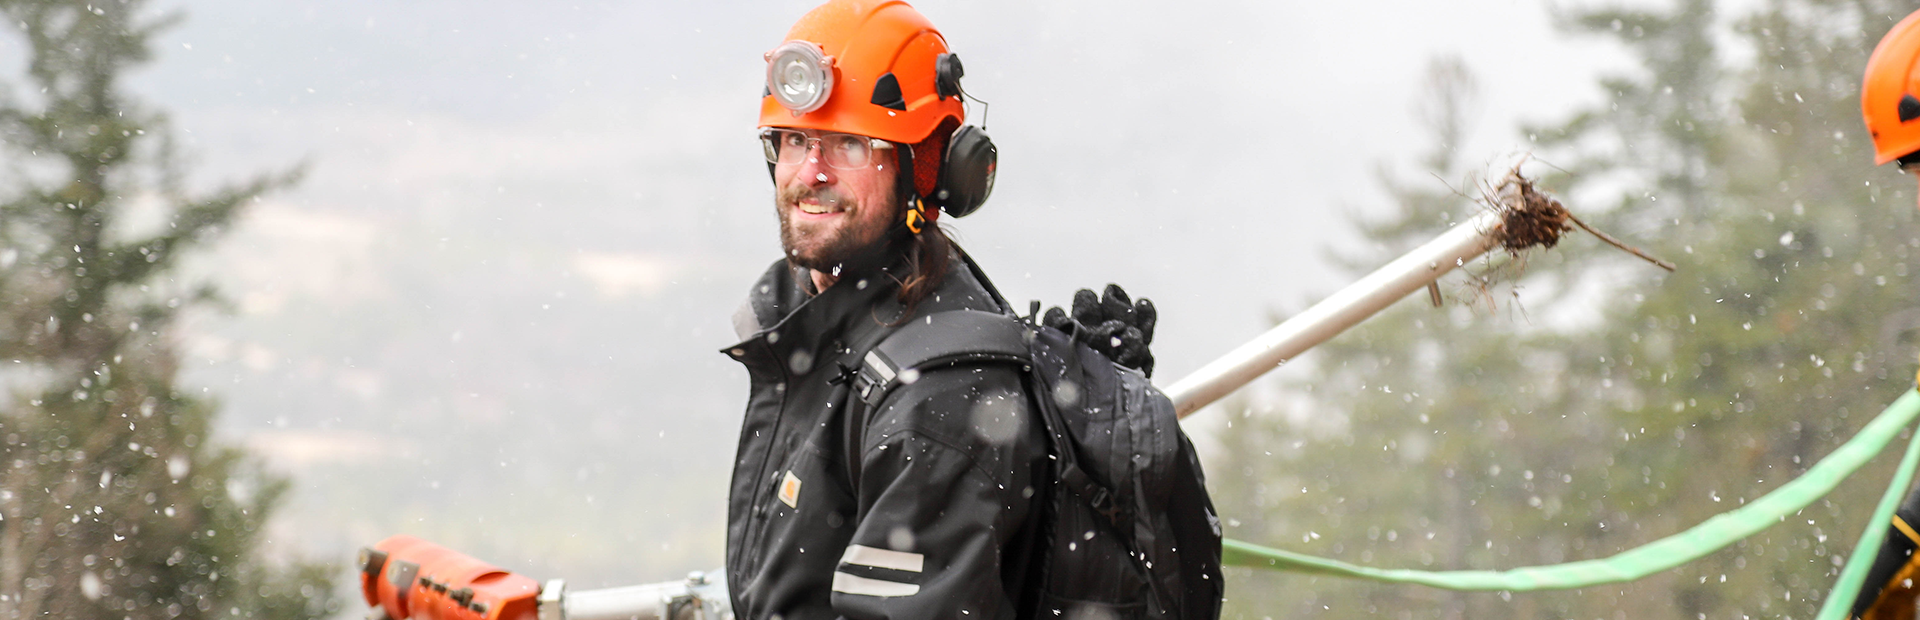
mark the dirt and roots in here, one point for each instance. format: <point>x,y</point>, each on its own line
<point>1529,218</point>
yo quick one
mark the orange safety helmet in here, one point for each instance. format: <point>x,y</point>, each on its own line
<point>1890,94</point>
<point>863,67</point>
<point>879,68</point>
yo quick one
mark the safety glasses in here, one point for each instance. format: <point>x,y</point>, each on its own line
<point>844,151</point>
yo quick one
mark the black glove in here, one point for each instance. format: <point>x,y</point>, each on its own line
<point>1113,324</point>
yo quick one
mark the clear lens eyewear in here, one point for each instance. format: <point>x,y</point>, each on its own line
<point>844,151</point>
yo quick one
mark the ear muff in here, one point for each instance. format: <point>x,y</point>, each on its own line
<point>966,173</point>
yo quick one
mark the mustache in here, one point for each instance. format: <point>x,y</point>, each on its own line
<point>825,195</point>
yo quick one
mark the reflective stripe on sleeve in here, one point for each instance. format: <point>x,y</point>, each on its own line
<point>853,584</point>
<point>883,558</point>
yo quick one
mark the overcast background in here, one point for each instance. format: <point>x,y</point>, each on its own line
<point>489,316</point>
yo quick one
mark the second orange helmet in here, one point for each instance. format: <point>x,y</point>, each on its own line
<point>1890,94</point>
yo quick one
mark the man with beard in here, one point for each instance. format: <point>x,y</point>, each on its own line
<point>916,505</point>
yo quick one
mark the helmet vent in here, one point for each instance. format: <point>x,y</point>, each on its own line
<point>886,93</point>
<point>1909,108</point>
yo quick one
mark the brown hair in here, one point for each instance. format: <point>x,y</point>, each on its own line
<point>928,256</point>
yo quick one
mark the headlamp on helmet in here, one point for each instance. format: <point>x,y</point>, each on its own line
<point>799,76</point>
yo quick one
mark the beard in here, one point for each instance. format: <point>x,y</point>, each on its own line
<point>829,249</point>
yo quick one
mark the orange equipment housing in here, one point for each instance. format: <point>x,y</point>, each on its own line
<point>406,577</point>
<point>1890,93</point>
<point>866,41</point>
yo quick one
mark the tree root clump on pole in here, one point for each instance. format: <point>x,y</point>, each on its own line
<point>1531,218</point>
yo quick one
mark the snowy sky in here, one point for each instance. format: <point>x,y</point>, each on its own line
<point>1204,154</point>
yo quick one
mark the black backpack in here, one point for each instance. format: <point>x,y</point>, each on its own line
<point>1126,529</point>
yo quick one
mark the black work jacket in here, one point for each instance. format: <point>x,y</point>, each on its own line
<point>914,508</point>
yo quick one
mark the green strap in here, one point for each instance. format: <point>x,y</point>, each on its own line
<point>1717,532</point>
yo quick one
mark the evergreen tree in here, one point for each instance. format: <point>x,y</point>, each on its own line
<point>1415,441</point>
<point>1618,404</point>
<point>115,501</point>
<point>1783,330</point>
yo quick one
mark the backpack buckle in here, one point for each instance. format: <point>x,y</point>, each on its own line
<point>1096,495</point>
<point>1102,502</point>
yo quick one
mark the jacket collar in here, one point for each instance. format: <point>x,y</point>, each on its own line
<point>780,313</point>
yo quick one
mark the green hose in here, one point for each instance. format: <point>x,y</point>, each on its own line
<point>1712,535</point>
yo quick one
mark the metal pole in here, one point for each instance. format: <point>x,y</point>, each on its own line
<point>1335,314</point>
<point>702,596</point>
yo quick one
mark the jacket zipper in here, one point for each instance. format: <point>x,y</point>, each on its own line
<point>761,510</point>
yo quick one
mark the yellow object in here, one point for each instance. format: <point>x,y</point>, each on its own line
<point>915,216</point>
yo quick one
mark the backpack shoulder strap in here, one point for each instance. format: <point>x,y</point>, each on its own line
<point>955,336</point>
<point>939,339</point>
<point>971,336</point>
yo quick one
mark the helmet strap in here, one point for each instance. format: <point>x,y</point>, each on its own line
<point>909,193</point>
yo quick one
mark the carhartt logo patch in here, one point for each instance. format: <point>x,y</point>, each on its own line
<point>790,490</point>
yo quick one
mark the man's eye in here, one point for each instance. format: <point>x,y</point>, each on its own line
<point>795,140</point>
<point>849,146</point>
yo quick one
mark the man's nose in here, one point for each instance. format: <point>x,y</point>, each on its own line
<point>812,170</point>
